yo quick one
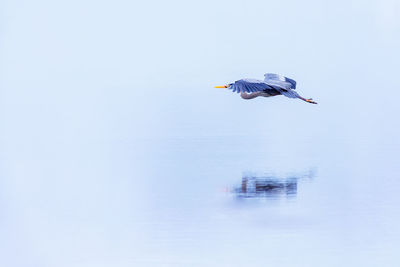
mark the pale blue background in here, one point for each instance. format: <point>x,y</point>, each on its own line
<point>116,150</point>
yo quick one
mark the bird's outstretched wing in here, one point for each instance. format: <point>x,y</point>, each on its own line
<point>250,86</point>
<point>280,81</point>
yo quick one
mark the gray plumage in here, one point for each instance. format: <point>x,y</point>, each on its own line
<point>272,84</point>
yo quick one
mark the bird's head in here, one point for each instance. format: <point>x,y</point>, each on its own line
<point>223,86</point>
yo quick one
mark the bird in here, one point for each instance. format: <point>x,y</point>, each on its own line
<point>273,85</point>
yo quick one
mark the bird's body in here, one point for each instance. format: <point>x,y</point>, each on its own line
<point>272,85</point>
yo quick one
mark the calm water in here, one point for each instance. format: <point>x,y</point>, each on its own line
<point>215,201</point>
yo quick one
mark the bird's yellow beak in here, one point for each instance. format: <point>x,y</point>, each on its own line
<point>223,86</point>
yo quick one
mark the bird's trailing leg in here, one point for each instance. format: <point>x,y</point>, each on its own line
<point>309,100</point>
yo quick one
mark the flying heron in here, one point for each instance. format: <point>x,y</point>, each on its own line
<point>273,84</point>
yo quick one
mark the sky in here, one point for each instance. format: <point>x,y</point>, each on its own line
<point>150,67</point>
<point>80,78</point>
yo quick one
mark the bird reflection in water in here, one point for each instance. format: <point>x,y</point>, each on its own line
<point>269,186</point>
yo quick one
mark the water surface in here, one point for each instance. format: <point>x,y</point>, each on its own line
<point>215,201</point>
